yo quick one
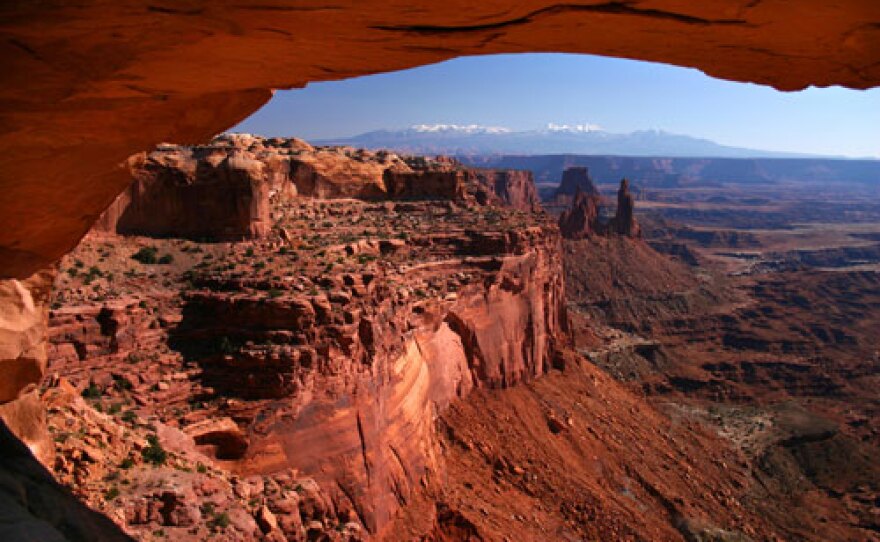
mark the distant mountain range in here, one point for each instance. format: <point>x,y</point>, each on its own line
<point>453,139</point>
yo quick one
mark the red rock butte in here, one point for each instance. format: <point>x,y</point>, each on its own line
<point>88,84</point>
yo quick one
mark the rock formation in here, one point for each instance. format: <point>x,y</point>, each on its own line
<point>222,190</point>
<point>574,179</point>
<point>581,219</point>
<point>624,221</point>
<point>514,188</point>
<point>328,354</point>
<point>23,316</point>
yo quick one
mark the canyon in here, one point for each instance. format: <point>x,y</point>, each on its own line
<point>318,361</point>
<point>265,340</point>
<point>91,85</point>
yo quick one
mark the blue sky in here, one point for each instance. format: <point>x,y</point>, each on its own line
<point>530,90</point>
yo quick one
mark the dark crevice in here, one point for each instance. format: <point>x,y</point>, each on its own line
<point>610,8</point>
<point>360,428</point>
<point>175,11</point>
<point>26,48</point>
<point>276,31</point>
<point>299,9</point>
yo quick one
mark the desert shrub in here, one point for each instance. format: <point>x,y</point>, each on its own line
<point>154,453</point>
<point>121,383</point>
<point>220,520</point>
<point>166,259</point>
<point>92,391</point>
<point>146,255</point>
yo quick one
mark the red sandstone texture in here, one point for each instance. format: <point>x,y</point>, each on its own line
<point>222,191</point>
<point>327,357</point>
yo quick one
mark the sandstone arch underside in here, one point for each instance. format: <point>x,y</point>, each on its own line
<point>89,83</point>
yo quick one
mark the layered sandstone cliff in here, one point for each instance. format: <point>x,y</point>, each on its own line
<point>330,354</point>
<point>222,191</point>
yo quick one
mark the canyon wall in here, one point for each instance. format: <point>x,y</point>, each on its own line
<point>330,354</point>
<point>221,191</point>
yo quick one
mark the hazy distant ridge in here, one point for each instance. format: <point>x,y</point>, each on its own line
<point>672,172</point>
<point>554,139</point>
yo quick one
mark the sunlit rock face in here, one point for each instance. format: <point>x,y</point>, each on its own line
<point>23,312</point>
<point>330,353</point>
<point>86,86</point>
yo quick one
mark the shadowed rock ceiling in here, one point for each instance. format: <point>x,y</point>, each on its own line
<point>87,84</point>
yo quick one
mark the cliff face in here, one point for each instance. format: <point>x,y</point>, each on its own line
<point>222,191</point>
<point>330,354</point>
<point>23,359</point>
<point>515,188</point>
<point>177,192</point>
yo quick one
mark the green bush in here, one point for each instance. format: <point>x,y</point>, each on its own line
<point>220,521</point>
<point>111,494</point>
<point>166,259</point>
<point>91,392</point>
<point>146,255</point>
<point>154,453</point>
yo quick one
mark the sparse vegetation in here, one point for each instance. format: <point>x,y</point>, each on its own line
<point>92,391</point>
<point>111,493</point>
<point>219,521</point>
<point>154,453</point>
<point>146,255</point>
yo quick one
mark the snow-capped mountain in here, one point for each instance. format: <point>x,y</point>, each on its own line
<point>472,139</point>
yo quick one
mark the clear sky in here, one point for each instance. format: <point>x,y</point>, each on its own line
<point>528,91</point>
